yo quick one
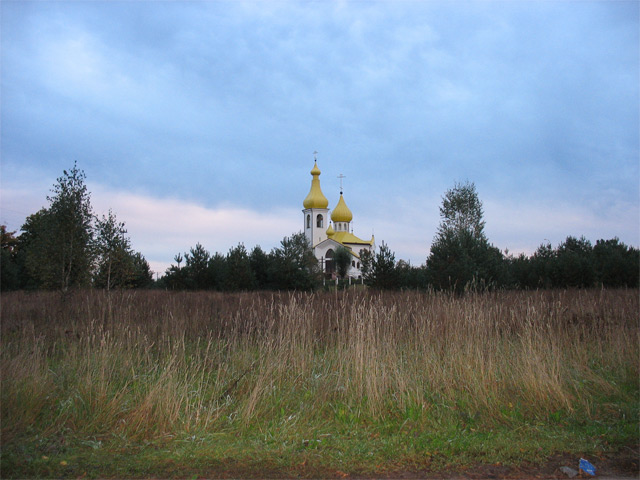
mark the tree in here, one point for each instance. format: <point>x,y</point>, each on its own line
<point>521,274</point>
<point>342,258</point>
<point>174,278</point>
<point>196,267</point>
<point>294,266</point>
<point>574,263</point>
<point>142,276</point>
<point>239,266</point>
<point>379,269</point>
<point>114,257</point>
<point>260,263</point>
<point>59,253</point>
<point>118,266</point>
<point>543,265</point>
<point>9,266</point>
<point>461,255</point>
<point>461,211</point>
<point>410,277</point>
<point>218,271</point>
<point>616,264</point>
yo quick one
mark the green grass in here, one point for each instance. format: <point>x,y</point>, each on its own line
<point>140,384</point>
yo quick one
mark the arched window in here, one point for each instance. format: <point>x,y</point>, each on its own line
<point>308,221</point>
<point>329,266</point>
<point>319,221</point>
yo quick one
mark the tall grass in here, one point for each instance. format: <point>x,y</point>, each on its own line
<point>153,365</point>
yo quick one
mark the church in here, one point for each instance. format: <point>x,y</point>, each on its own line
<point>326,234</point>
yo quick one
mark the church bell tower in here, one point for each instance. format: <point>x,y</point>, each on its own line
<point>315,213</point>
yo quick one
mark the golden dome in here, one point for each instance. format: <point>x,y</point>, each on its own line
<point>341,213</point>
<point>316,198</point>
<point>330,231</point>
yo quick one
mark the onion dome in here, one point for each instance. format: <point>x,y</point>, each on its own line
<point>330,231</point>
<point>341,213</point>
<point>316,198</point>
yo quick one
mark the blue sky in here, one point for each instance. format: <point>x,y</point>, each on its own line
<point>197,121</point>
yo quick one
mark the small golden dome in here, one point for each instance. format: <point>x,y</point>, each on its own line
<point>315,198</point>
<point>330,231</point>
<point>341,213</point>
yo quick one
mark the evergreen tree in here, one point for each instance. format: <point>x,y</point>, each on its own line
<point>197,268</point>
<point>142,276</point>
<point>239,267</point>
<point>410,277</point>
<point>616,264</point>
<point>218,272</point>
<point>379,269</point>
<point>574,263</point>
<point>260,265</point>
<point>521,274</point>
<point>294,266</point>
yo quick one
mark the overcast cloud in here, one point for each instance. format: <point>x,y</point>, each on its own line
<point>197,121</point>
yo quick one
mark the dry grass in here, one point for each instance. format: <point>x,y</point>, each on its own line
<point>152,365</point>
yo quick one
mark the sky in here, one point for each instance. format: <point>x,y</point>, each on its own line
<point>198,121</point>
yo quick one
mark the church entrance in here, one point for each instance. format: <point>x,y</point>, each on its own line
<point>329,263</point>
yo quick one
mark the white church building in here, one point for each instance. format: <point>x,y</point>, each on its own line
<point>326,233</point>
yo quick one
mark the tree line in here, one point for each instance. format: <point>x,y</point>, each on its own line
<point>461,258</point>
<point>67,246</point>
<point>291,266</point>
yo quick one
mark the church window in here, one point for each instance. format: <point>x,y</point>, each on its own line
<point>329,266</point>
<point>353,263</point>
<point>319,220</point>
<point>308,221</point>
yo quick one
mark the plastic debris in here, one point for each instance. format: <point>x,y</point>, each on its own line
<point>569,472</point>
<point>587,467</point>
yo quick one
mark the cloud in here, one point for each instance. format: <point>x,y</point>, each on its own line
<point>213,109</point>
<point>163,227</point>
<point>159,228</point>
<point>522,227</point>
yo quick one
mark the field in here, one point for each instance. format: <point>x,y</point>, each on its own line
<point>334,384</point>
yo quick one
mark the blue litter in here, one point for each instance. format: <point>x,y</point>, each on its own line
<point>587,467</point>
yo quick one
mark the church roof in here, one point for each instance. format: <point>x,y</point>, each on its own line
<point>315,198</point>
<point>341,213</point>
<point>350,238</point>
